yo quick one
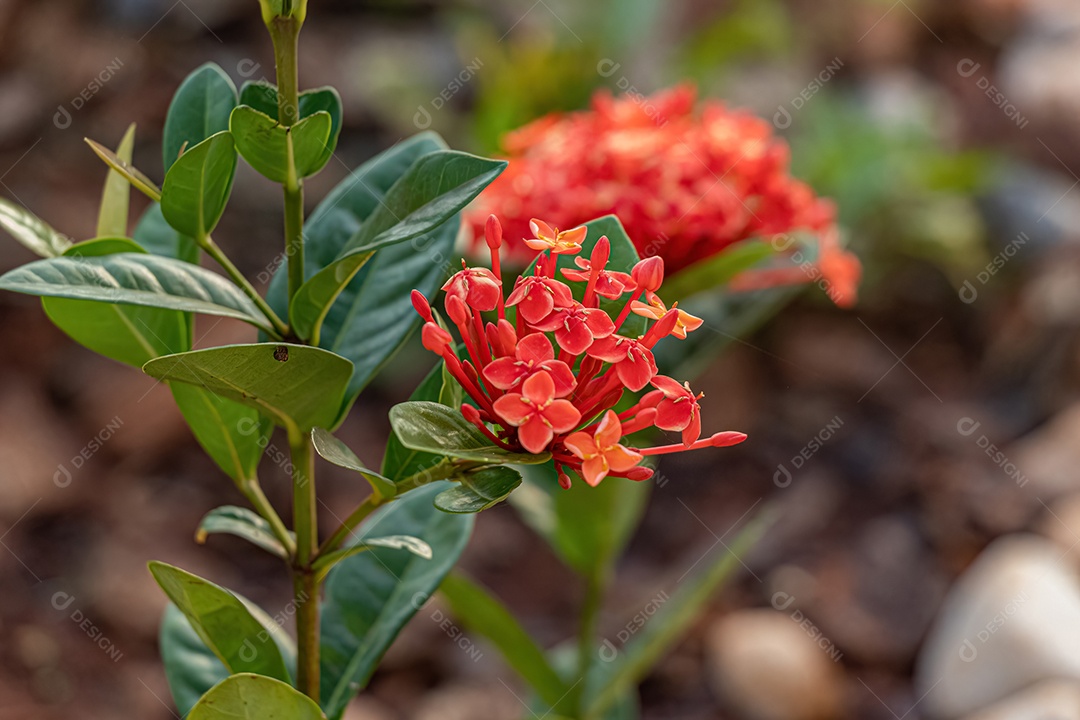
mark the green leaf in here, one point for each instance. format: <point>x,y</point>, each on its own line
<point>124,168</point>
<point>135,279</point>
<point>116,197</point>
<point>278,152</point>
<point>416,546</point>
<point>199,109</point>
<point>313,300</point>
<point>623,258</point>
<point>264,97</point>
<point>433,190</point>
<point>587,527</point>
<point>158,237</point>
<point>125,333</point>
<point>371,596</point>
<point>32,232</point>
<point>198,185</point>
<point>437,429</point>
<point>672,620</point>
<point>482,613</point>
<point>716,271</point>
<point>254,697</point>
<point>243,523</point>
<point>333,450</point>
<point>232,434</point>
<point>299,387</point>
<point>223,622</point>
<point>400,462</point>
<point>192,668</point>
<point>479,490</point>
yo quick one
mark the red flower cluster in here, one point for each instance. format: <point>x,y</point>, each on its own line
<point>528,398</point>
<point>685,184</point>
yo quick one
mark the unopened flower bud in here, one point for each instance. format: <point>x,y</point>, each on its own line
<point>601,253</point>
<point>502,337</point>
<point>421,304</point>
<point>564,481</point>
<point>456,310</point>
<point>493,232</point>
<point>639,473</point>
<point>648,274</point>
<point>435,338</point>
<point>471,414</point>
<point>727,439</point>
<point>651,398</point>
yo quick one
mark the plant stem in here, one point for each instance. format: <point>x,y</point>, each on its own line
<point>595,585</point>
<point>286,34</point>
<point>350,523</point>
<point>254,494</point>
<point>305,584</point>
<point>207,243</point>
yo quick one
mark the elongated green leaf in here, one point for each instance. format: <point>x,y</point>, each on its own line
<point>135,279</point>
<point>198,185</point>
<point>116,197</point>
<point>127,171</point>
<point>587,527</point>
<point>716,271</point>
<point>223,622</point>
<point>158,237</point>
<point>333,450</point>
<point>371,596</point>
<point>482,613</point>
<point>672,619</point>
<point>277,152</point>
<point>231,433</point>
<point>299,387</point>
<point>435,428</point>
<point>313,300</point>
<point>254,697</point>
<point>264,97</point>
<point>416,546</point>
<point>479,490</point>
<point>32,232</point>
<point>199,109</point>
<point>242,523</point>
<point>125,333</point>
<point>400,462</point>
<point>192,668</point>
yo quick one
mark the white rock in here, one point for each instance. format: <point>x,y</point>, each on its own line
<point>1051,700</point>
<point>1013,619</point>
<point>767,666</point>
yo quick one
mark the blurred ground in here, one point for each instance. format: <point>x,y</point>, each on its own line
<point>867,427</point>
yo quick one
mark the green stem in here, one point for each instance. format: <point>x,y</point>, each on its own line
<point>254,494</point>
<point>207,243</point>
<point>595,586</point>
<point>305,583</point>
<point>286,34</point>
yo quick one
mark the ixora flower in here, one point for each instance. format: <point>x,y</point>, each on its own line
<point>686,183</point>
<point>527,398</point>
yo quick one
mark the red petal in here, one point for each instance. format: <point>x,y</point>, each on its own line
<point>536,305</point>
<point>599,323</point>
<point>539,388</point>
<point>581,444</point>
<point>609,431</point>
<point>535,349</point>
<point>513,409</point>
<point>669,386</point>
<point>637,370</point>
<point>561,293</point>
<point>562,415</point>
<point>574,337</point>
<point>674,416</point>
<point>594,470</point>
<point>693,429</point>
<point>621,459</point>
<point>609,349</point>
<point>562,375</point>
<point>504,373</point>
<point>534,435</point>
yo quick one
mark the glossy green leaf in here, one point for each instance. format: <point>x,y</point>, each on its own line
<point>673,619</point>
<point>135,279</point>
<point>125,333</point>
<point>242,523</point>
<point>587,527</point>
<point>223,623</point>
<point>32,232</point>
<point>276,152</point>
<point>116,197</point>
<point>158,237</point>
<point>416,546</point>
<point>198,185</point>
<point>717,271</point>
<point>479,490</point>
<point>192,668</point>
<point>482,613</point>
<point>400,462</point>
<point>231,433</point>
<point>200,108</point>
<point>255,697</point>
<point>264,97</point>
<point>313,300</point>
<point>299,387</point>
<point>371,596</point>
<point>124,168</point>
<point>333,450</point>
<point>437,429</point>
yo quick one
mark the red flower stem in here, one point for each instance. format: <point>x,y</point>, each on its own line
<point>665,449</point>
<point>496,270</point>
<point>481,338</point>
<point>590,288</point>
<point>491,436</point>
<point>626,308</point>
<point>456,369</point>
<point>608,383</point>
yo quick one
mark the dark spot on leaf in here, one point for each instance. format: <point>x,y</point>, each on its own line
<point>281,353</point>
